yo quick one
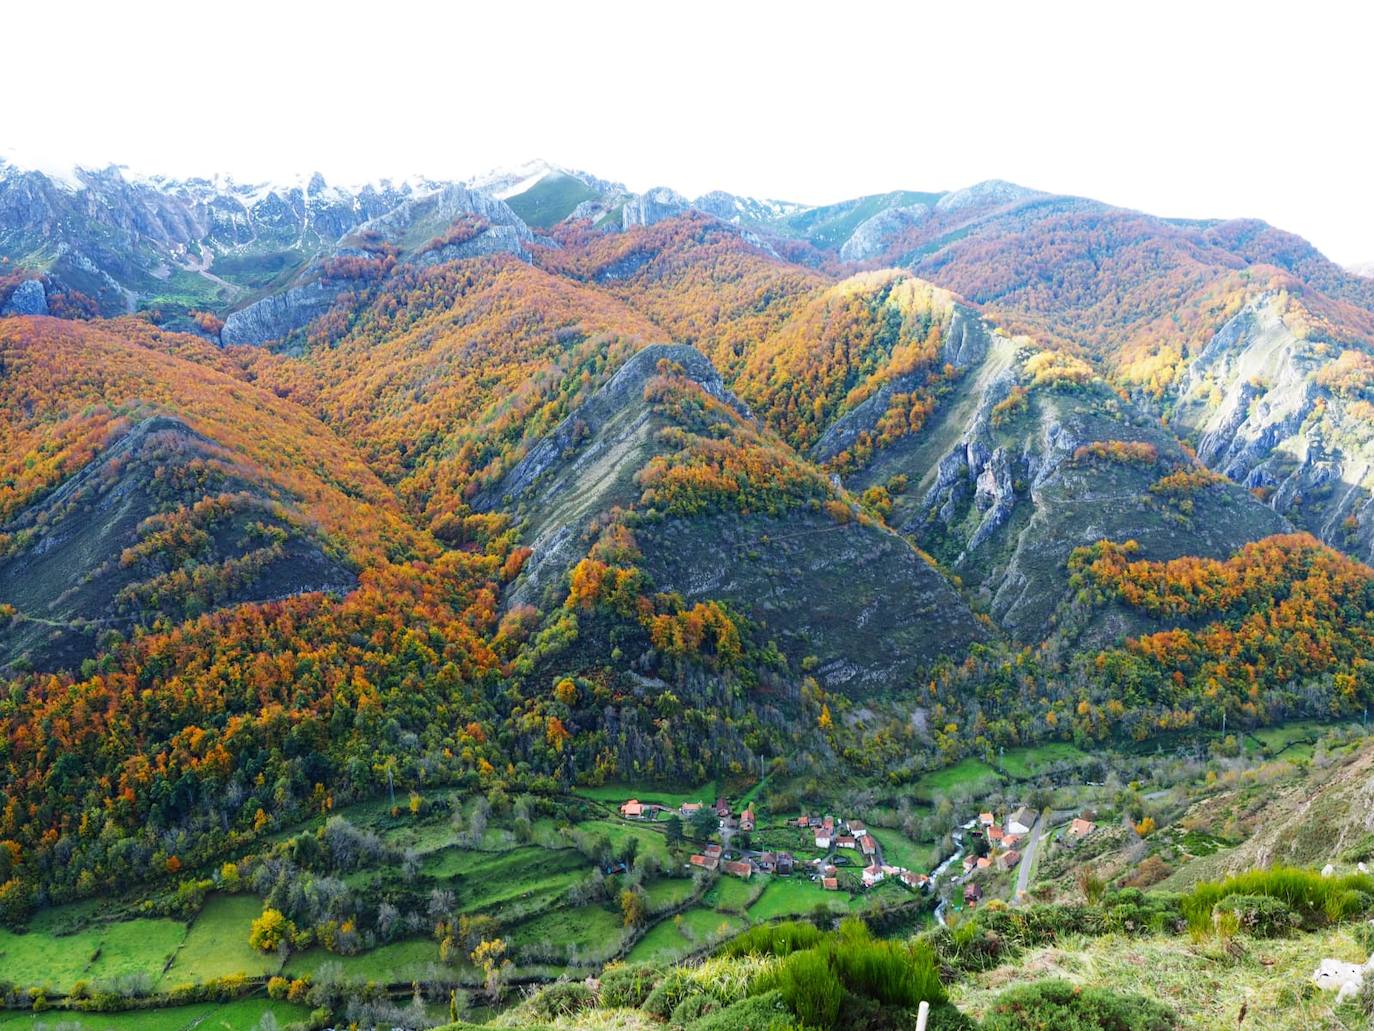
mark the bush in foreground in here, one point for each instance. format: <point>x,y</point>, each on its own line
<point>1061,1006</point>
<point>1316,900</point>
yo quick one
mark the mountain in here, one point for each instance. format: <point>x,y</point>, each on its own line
<point>124,242</point>
<point>443,225</point>
<point>531,483</point>
<point>144,481</point>
<point>659,450</point>
<point>544,195</point>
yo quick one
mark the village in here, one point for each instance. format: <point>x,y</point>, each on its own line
<point>840,852</point>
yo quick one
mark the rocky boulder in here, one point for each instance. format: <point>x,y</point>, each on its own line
<point>28,298</point>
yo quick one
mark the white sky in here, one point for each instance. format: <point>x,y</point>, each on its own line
<point>1214,109</point>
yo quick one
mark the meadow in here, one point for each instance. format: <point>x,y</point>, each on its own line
<point>239,1015</point>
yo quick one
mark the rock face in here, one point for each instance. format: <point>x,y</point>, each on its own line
<point>991,193</point>
<point>966,343</point>
<point>587,464</point>
<point>874,234</point>
<point>118,237</point>
<point>730,207</point>
<point>858,600</point>
<point>277,315</point>
<point>28,298</point>
<point>653,206</point>
<point>1001,487</point>
<point>414,221</point>
<point>1281,414</point>
<point>410,226</point>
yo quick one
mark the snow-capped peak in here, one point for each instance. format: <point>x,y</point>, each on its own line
<point>66,175</point>
<point>508,182</point>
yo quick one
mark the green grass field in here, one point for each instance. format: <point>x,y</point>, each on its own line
<point>732,895</point>
<point>239,1015</point>
<point>217,943</point>
<point>614,794</point>
<point>423,838</point>
<point>137,946</point>
<point>970,775</point>
<point>668,893</point>
<point>1024,763</point>
<point>899,850</point>
<point>399,961</point>
<point>457,861</point>
<point>795,896</point>
<point>651,842</point>
<point>550,200</point>
<point>594,931</point>
<point>529,876</point>
<point>1296,740</point>
<point>673,939</point>
<point>42,959</point>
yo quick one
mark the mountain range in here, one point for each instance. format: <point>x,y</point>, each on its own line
<point>356,480</point>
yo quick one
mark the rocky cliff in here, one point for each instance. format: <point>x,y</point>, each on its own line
<point>1287,414</point>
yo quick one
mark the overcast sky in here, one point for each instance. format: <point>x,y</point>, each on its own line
<point>1193,109</point>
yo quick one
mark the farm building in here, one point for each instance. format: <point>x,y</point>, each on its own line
<point>1081,828</point>
<point>1021,821</point>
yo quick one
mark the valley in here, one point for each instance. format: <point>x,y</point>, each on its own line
<point>373,560</point>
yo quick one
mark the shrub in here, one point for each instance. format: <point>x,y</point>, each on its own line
<point>1132,911</point>
<point>1366,997</point>
<point>1360,851</point>
<point>563,999</point>
<point>675,986</point>
<point>693,1008</point>
<point>270,930</point>
<point>628,986</point>
<point>774,939</point>
<point>1316,900</point>
<point>811,989</point>
<point>1067,1007</point>
<point>872,973</point>
<point>1056,369</point>
<point>1259,916</point>
<point>765,1012</point>
<point>993,935</point>
<point>1125,452</point>
<point>1364,936</point>
<point>892,973</point>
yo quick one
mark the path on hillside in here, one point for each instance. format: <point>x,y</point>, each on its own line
<point>1023,868</point>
